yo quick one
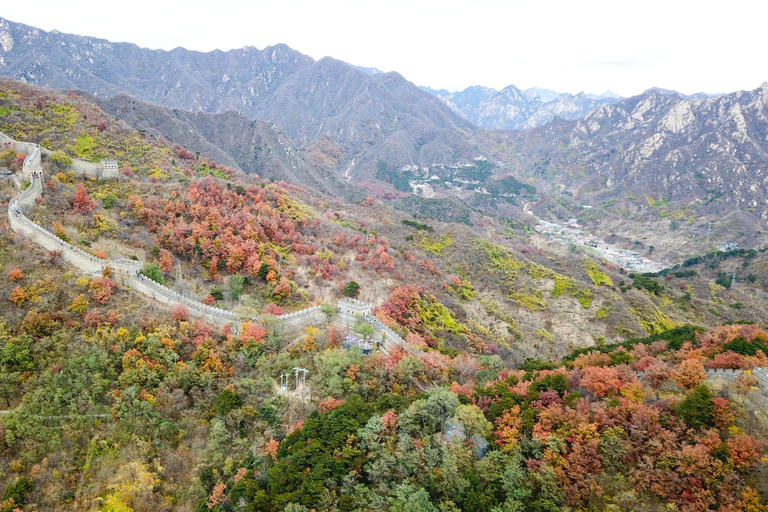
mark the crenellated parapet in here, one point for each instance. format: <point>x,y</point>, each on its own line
<point>723,373</point>
<point>211,314</point>
<point>729,374</point>
<point>127,272</point>
<point>349,313</point>
<point>104,170</point>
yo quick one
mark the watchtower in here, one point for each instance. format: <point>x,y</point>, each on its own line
<point>109,169</point>
<point>354,307</point>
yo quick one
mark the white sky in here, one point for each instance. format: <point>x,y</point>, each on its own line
<point>625,46</point>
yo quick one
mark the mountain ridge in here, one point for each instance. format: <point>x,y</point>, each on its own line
<point>513,109</point>
<point>653,159</point>
<point>370,116</point>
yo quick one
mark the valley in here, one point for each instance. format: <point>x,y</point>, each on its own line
<point>571,234</point>
<point>252,280</point>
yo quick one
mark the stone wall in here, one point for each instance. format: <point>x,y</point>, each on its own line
<point>350,311</point>
<point>301,319</point>
<point>761,374</point>
<point>150,288</point>
<point>352,306</point>
<point>127,272</point>
<point>20,147</point>
<point>87,263</point>
<point>389,338</point>
<point>723,374</point>
<point>104,170</point>
<point>762,379</point>
<point>99,170</point>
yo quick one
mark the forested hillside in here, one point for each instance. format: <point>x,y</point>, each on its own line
<point>509,393</point>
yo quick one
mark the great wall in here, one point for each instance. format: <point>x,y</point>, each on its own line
<point>349,312</point>
<point>127,272</point>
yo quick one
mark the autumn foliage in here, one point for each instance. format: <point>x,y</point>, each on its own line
<point>180,313</point>
<point>101,289</point>
<point>18,296</point>
<point>209,223</point>
<point>81,203</point>
<point>690,373</point>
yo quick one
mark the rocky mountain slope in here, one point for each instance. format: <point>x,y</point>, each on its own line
<point>507,284</point>
<point>513,109</point>
<point>656,160</point>
<point>657,169</point>
<point>370,117</point>
<point>230,138</point>
<point>660,166</point>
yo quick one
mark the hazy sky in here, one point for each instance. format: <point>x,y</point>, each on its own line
<point>569,46</point>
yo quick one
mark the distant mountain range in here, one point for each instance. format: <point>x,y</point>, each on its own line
<point>656,157</point>
<point>369,117</point>
<point>513,109</point>
<point>657,143</point>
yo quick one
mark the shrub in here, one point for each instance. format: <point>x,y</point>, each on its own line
<point>152,271</point>
<point>18,296</point>
<point>19,490</point>
<point>180,313</point>
<point>746,348</point>
<point>81,203</point>
<point>263,271</point>
<point>647,283</point>
<point>690,373</point>
<point>101,289</point>
<point>272,309</point>
<point>351,289</point>
<point>110,200</point>
<point>39,324</point>
<point>226,401</point>
<point>60,160</point>
<point>15,274</point>
<point>79,305</point>
<point>533,365</point>
<point>696,409</point>
<point>236,286</point>
<point>418,225</point>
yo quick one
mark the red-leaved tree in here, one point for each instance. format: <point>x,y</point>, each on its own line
<point>101,289</point>
<point>81,203</point>
<point>180,313</point>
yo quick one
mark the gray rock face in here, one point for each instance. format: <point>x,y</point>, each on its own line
<point>710,153</point>
<point>372,116</point>
<point>513,109</point>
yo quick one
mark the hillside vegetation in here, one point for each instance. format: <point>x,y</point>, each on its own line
<point>113,402</point>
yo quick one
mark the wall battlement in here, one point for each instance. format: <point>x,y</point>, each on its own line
<point>728,374</point>
<point>350,312</point>
<point>127,272</point>
<point>104,170</point>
